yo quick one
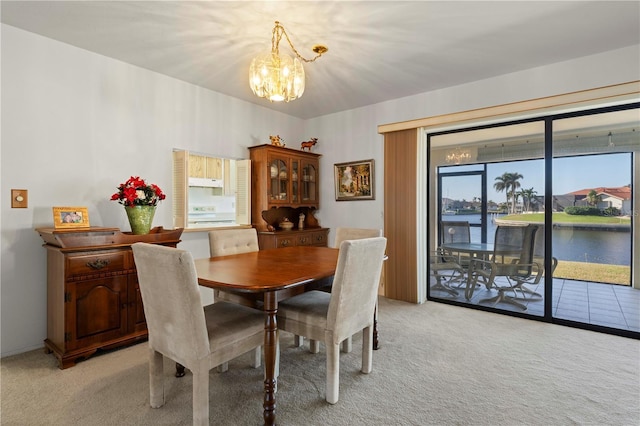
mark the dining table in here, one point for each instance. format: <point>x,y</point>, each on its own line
<point>481,251</point>
<point>262,279</point>
<point>475,250</point>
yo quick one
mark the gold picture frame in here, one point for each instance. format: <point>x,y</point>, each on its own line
<point>70,217</point>
<point>354,180</point>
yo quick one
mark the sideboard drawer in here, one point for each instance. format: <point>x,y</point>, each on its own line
<point>97,263</point>
<point>319,238</point>
<point>288,241</point>
<point>305,239</point>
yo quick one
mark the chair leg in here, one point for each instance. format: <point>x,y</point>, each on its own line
<point>367,350</point>
<point>314,346</point>
<point>347,345</point>
<point>223,368</point>
<point>333,373</point>
<point>201,396</point>
<point>440,286</point>
<point>526,290</point>
<point>257,357</point>
<point>298,340</point>
<point>156,379</point>
<point>502,298</point>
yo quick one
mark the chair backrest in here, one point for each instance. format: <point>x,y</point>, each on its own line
<point>171,298</point>
<point>355,286</point>
<point>223,242</point>
<point>539,249</point>
<point>343,234</point>
<point>455,232</point>
<point>515,243</point>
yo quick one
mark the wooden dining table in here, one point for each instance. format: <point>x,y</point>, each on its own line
<point>262,279</point>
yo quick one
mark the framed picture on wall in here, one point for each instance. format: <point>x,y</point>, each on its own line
<point>70,217</point>
<point>354,180</point>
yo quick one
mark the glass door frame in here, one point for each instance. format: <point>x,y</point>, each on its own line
<point>548,121</point>
<point>483,194</point>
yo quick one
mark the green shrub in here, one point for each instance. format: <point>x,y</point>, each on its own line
<point>583,211</point>
<point>611,211</point>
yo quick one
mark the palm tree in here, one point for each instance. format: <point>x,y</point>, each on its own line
<point>508,182</point>
<point>593,198</point>
<point>527,196</point>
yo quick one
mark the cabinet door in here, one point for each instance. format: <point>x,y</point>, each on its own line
<point>95,311</point>
<point>309,189</point>
<point>136,320</point>
<point>295,185</point>
<point>279,192</point>
<point>214,168</point>
<point>197,166</point>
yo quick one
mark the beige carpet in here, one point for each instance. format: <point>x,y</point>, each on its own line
<point>438,365</point>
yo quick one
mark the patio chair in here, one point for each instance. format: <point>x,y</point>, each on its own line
<point>445,270</point>
<point>538,259</point>
<point>512,259</point>
<point>456,232</point>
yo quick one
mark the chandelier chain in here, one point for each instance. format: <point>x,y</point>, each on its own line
<point>278,31</point>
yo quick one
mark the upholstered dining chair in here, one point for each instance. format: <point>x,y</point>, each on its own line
<point>223,242</point>
<point>348,309</point>
<point>180,328</point>
<point>342,234</point>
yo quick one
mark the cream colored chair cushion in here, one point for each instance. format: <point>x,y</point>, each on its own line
<point>182,330</point>
<point>223,242</point>
<point>348,309</point>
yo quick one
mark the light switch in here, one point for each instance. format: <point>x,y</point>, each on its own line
<point>19,199</point>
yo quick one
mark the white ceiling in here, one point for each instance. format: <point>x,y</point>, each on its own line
<point>378,50</point>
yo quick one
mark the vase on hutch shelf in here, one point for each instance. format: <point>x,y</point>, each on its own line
<point>140,218</point>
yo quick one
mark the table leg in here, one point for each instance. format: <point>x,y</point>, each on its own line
<point>376,345</point>
<point>270,354</point>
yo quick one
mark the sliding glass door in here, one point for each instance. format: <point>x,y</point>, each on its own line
<point>572,177</point>
<point>592,219</point>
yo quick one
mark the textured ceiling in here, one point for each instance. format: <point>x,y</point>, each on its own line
<point>378,50</point>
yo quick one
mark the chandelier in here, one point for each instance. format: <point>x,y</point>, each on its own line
<point>279,77</point>
<point>457,156</point>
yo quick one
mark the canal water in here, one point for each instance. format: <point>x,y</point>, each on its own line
<point>578,245</point>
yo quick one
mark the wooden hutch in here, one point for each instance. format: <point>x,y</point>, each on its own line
<point>93,298</point>
<point>285,184</point>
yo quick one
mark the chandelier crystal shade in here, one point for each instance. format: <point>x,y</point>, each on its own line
<point>276,76</point>
<point>458,156</point>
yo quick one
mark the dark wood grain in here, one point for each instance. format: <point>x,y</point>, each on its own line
<point>272,275</point>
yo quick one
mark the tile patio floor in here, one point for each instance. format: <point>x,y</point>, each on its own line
<point>607,305</point>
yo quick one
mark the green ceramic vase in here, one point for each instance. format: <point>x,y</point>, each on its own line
<point>140,218</point>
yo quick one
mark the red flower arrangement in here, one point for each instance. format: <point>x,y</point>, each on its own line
<point>136,192</point>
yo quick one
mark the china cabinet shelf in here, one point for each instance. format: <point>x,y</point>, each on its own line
<point>285,185</point>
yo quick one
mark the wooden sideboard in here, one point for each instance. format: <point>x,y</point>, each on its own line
<point>279,239</point>
<point>93,299</point>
